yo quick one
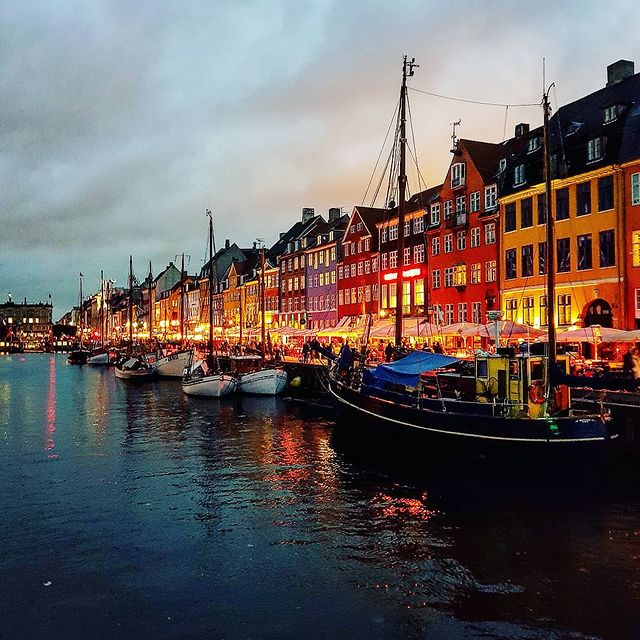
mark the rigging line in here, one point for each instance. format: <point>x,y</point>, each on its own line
<point>389,163</point>
<point>393,117</point>
<point>415,151</point>
<point>479,102</point>
<point>504,128</point>
<point>382,175</point>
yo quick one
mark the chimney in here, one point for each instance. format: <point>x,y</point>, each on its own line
<point>334,213</point>
<point>307,214</point>
<point>282,234</point>
<point>619,71</point>
<point>226,243</point>
<point>522,129</point>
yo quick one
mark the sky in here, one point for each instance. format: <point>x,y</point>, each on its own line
<point>121,122</point>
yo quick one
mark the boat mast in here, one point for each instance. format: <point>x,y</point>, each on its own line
<point>241,315</point>
<point>550,252</point>
<point>407,71</point>
<point>81,311</point>
<point>182,302</point>
<point>151,304</point>
<point>211,267</point>
<point>262,304</point>
<point>130,304</point>
<point>101,309</point>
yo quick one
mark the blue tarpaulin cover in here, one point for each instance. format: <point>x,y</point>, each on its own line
<point>407,370</point>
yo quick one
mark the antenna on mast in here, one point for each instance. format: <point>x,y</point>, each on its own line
<point>454,137</point>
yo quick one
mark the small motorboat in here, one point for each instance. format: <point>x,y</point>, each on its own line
<point>135,368</point>
<point>201,379</point>
<point>173,364</point>
<point>256,379</point>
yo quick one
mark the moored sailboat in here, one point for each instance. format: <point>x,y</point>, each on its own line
<point>80,354</point>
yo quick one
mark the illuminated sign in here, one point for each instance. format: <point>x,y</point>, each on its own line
<point>390,276</point>
<point>410,273</point>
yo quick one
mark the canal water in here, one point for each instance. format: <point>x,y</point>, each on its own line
<point>136,512</point>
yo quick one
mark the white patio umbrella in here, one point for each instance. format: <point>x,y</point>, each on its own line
<point>506,329</point>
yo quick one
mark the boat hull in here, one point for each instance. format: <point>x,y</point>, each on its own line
<point>173,365</point>
<point>99,360</point>
<point>78,356</point>
<point>139,375</point>
<point>471,424</point>
<point>213,386</point>
<point>264,382</point>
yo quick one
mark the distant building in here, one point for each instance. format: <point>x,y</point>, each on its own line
<point>29,323</point>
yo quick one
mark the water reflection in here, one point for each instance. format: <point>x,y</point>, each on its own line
<point>50,424</point>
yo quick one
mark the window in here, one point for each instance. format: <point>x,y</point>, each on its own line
<point>392,295</point>
<point>526,213</point>
<point>367,244</point>
<point>448,314</point>
<point>562,204</point>
<point>360,268</point>
<point>407,228</point>
<point>518,175</point>
<point>333,253</point>
<point>333,277</point>
<point>476,312</point>
<point>435,213</point>
<point>460,275</point>
<point>367,266</point>
<point>461,241</point>
<point>353,270</point>
<point>383,234</point>
<point>511,309</point>
<point>491,196</point>
<point>635,189</point>
<point>384,261</point>
<point>458,174</point>
<point>407,256</point>
<point>359,227</point>
<point>594,149</point>
<point>563,252</point>
<point>367,293</point>
<point>393,232</point>
<point>476,273</point>
<point>605,193</point>
<point>607,248</point>
<point>490,271</point>
<point>359,246</point>
<point>462,311</point>
<point>418,292</point>
<point>360,294</point>
<point>435,245</point>
<point>283,266</point>
<point>510,264</point>
<point>474,202</point>
<point>475,237</point>
<point>564,308</point>
<point>393,259</point>
<point>527,260</point>
<point>510,217</point>
<point>542,258</point>
<point>490,233</point>
<point>583,198</point>
<point>527,310</point>
<point>374,265</point>
<point>383,301</point>
<point>585,253</point>
<point>418,225</point>
<point>461,204</point>
<point>448,277</point>
<point>418,253</point>
<point>346,249</point>
<point>542,210</point>
<point>544,314</point>
<point>290,264</point>
<point>448,209</point>
<point>533,144</point>
<point>610,113</point>
<point>448,243</point>
<point>635,248</point>
<point>435,279</point>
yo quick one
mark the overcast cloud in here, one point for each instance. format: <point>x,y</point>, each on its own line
<point>121,122</point>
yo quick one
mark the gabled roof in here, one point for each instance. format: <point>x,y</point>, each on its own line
<point>422,199</point>
<point>485,156</point>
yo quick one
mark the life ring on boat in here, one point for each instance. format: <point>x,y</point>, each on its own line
<point>536,392</point>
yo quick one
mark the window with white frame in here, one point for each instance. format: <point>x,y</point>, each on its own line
<point>594,149</point>
<point>384,261</point>
<point>393,259</point>
<point>353,270</point>
<point>448,243</point>
<point>345,248</point>
<point>393,232</point>
<point>367,244</point>
<point>418,225</point>
<point>360,268</point>
<point>367,293</point>
<point>407,228</point>
<point>435,245</point>
<point>635,188</point>
<point>518,175</point>
<point>476,312</point>
<point>448,209</point>
<point>490,233</point>
<point>460,275</point>
<point>476,273</point>
<point>383,234</point>
<point>462,311</point>
<point>461,240</point>
<point>435,213</point>
<point>374,265</point>
<point>448,313</point>
<point>367,266</point>
<point>610,113</point>
<point>533,144</point>
<point>475,237</point>
<point>474,202</point>
<point>359,227</point>
<point>435,279</point>
<point>340,297</point>
<point>490,271</point>
<point>448,277</point>
<point>491,196</point>
<point>418,253</point>
<point>461,204</point>
<point>407,256</point>
<point>458,175</point>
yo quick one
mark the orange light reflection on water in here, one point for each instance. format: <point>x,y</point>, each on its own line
<point>50,425</point>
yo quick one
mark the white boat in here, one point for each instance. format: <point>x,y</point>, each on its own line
<point>173,365</point>
<point>100,359</point>
<point>256,379</point>
<point>199,380</point>
<point>135,369</point>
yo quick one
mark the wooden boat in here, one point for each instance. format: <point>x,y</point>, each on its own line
<point>173,364</point>
<point>135,368</point>
<point>257,379</point>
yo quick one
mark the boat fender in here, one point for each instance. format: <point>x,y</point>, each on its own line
<point>296,382</point>
<point>536,391</point>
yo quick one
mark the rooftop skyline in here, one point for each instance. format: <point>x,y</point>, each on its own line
<point>123,123</point>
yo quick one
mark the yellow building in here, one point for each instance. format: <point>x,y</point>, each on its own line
<point>589,251</point>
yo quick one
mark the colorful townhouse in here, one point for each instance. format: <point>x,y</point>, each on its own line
<point>321,273</point>
<point>592,139</point>
<point>357,268</point>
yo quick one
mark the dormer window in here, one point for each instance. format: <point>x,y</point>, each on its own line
<point>594,149</point>
<point>503,165</point>
<point>518,175</point>
<point>533,144</point>
<point>610,113</point>
<point>573,127</point>
<point>458,175</point>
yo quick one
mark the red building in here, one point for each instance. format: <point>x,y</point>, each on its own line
<point>462,236</point>
<point>358,277</point>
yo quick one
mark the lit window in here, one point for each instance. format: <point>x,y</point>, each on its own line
<point>635,248</point>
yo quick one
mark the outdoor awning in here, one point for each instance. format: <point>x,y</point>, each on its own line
<point>594,333</point>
